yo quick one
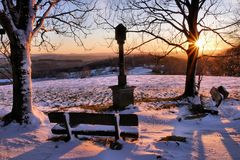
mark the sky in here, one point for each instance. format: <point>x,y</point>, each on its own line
<point>94,43</point>
<point>99,39</point>
<point>99,42</point>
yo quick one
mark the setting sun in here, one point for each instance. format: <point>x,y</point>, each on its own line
<point>199,43</point>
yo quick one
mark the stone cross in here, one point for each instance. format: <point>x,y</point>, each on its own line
<point>120,36</point>
<point>122,93</point>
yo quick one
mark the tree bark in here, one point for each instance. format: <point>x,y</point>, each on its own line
<point>22,83</point>
<point>190,83</point>
<point>192,52</point>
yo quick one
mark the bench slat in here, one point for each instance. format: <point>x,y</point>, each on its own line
<point>58,129</point>
<point>91,118</point>
<point>94,133</point>
<point>129,135</point>
<point>56,117</point>
<point>102,124</point>
<point>128,120</point>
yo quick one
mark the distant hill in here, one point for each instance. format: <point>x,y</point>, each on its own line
<point>58,65</point>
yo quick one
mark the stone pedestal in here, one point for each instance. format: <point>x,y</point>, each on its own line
<point>122,96</point>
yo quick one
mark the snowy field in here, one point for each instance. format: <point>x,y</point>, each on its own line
<point>213,137</point>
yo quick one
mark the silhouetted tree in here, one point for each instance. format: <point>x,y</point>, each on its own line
<point>230,62</point>
<point>4,59</point>
<point>177,23</point>
<point>24,20</point>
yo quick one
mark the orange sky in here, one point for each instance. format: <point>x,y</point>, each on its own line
<point>94,43</point>
<point>97,43</point>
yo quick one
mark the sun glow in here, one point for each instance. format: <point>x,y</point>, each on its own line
<point>209,43</point>
<point>200,43</point>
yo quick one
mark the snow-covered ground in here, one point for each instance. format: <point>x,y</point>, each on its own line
<point>210,137</point>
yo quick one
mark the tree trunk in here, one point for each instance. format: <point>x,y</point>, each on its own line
<point>190,84</point>
<point>192,52</point>
<point>22,83</point>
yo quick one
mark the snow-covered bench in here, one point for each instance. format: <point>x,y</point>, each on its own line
<point>95,124</point>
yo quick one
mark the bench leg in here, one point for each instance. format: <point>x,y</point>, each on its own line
<point>66,115</point>
<point>116,145</point>
<point>116,125</point>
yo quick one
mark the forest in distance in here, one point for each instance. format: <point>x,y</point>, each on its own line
<point>171,65</point>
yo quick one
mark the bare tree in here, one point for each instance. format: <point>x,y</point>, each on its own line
<point>24,20</point>
<point>178,24</point>
<point>4,59</point>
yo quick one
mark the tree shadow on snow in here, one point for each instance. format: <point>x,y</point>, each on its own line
<point>194,131</point>
<point>48,151</point>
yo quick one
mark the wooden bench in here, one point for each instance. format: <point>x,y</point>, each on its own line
<point>94,124</point>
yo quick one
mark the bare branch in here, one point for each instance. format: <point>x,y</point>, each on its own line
<point>6,19</point>
<point>159,37</point>
<point>216,31</point>
<point>138,46</point>
<point>206,28</point>
<point>41,20</point>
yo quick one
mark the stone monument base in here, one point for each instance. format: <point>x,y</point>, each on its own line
<point>122,96</point>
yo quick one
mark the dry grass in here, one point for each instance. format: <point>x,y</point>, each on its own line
<point>95,108</point>
<point>149,99</point>
<point>174,138</point>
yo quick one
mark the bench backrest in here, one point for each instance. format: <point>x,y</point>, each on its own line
<point>91,118</point>
<point>128,120</point>
<point>56,117</point>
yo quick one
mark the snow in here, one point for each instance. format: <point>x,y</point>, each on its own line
<point>129,129</point>
<point>139,71</point>
<point>5,81</point>
<point>209,137</point>
<point>37,117</point>
<point>86,127</point>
